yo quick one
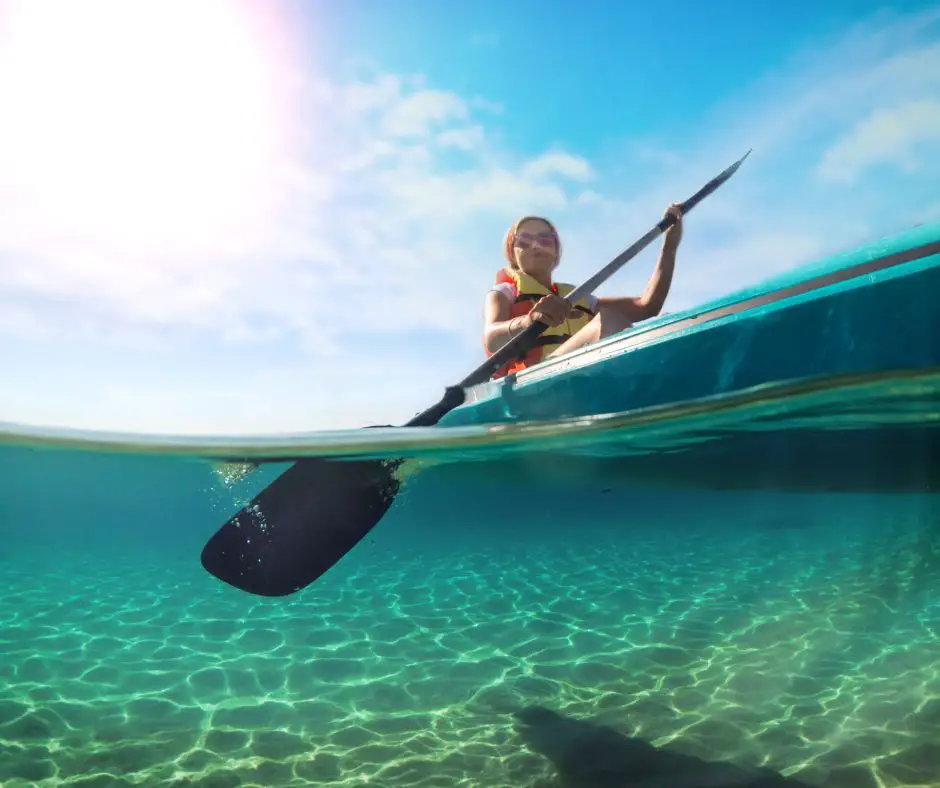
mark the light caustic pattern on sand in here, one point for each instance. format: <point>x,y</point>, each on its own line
<point>820,661</point>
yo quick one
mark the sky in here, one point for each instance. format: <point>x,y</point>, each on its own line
<point>233,218</point>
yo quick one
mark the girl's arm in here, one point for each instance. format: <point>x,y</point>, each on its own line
<point>496,325</point>
<point>650,304</point>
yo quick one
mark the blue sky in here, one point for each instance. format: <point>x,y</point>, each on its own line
<point>290,223</point>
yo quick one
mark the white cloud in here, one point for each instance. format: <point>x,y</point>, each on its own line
<point>559,163</point>
<point>887,136</point>
<point>416,114</point>
<point>464,139</point>
<point>356,295</point>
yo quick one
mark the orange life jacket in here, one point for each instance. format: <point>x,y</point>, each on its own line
<point>528,291</point>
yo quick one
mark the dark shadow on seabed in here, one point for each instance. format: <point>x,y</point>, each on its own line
<point>589,755</point>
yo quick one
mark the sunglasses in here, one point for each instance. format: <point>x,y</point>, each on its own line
<point>524,240</point>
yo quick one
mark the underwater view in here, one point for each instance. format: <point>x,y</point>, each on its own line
<point>740,590</point>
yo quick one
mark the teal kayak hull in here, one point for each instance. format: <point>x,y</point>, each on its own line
<point>871,309</point>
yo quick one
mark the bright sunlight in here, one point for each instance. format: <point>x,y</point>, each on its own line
<point>132,126</point>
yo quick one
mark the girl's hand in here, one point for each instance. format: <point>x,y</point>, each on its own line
<point>674,234</point>
<point>551,309</point>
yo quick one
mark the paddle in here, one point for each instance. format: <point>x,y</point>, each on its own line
<point>310,516</point>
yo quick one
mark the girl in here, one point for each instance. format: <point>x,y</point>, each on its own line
<point>525,292</point>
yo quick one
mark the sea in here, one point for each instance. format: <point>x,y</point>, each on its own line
<point>740,591</point>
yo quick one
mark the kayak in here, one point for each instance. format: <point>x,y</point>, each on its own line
<point>869,309</point>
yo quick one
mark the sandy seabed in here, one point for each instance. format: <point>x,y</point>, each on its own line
<point>557,665</point>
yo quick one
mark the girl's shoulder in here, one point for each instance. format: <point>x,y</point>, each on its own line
<point>505,284</point>
<point>508,289</point>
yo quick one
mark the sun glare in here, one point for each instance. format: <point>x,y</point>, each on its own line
<point>139,124</point>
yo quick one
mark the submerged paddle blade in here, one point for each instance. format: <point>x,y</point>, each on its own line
<point>301,524</point>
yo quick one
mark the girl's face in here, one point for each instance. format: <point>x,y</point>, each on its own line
<point>535,247</point>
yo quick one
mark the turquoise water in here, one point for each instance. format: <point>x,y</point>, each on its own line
<point>671,597</point>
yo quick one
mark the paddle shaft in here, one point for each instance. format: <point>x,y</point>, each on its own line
<point>454,396</point>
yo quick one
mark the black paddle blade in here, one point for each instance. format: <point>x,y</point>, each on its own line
<point>301,524</point>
